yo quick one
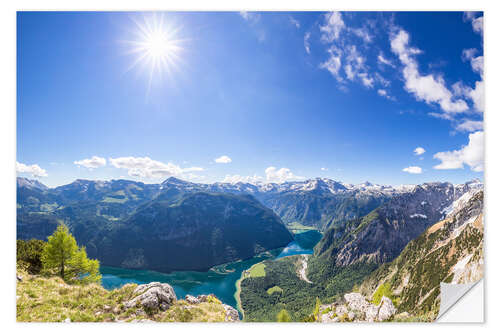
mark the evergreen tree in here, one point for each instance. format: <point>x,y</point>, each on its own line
<point>63,255</point>
<point>316,309</point>
<point>283,316</point>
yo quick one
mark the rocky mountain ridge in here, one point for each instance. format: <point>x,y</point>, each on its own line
<point>449,251</point>
<point>380,236</point>
<point>197,232</point>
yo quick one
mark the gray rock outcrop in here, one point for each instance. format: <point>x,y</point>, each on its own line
<point>154,295</point>
<point>386,309</point>
<point>358,303</point>
<point>231,313</point>
<point>192,300</point>
<point>357,308</point>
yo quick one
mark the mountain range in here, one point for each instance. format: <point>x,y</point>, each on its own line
<point>215,223</point>
<point>449,251</point>
<point>402,249</point>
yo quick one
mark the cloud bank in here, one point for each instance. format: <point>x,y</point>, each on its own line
<point>223,159</point>
<point>33,169</point>
<point>92,163</point>
<point>413,169</point>
<point>145,167</point>
<point>471,154</point>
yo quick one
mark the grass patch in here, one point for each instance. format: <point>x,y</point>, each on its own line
<point>115,200</point>
<point>258,270</point>
<point>384,290</point>
<point>297,228</point>
<point>184,312</point>
<point>48,207</point>
<point>42,299</point>
<point>52,300</point>
<point>275,289</point>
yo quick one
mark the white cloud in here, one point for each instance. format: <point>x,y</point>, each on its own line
<point>476,94</point>
<point>427,88</point>
<point>334,63</point>
<point>145,167</point>
<point>382,60</point>
<point>362,33</point>
<point>250,16</point>
<point>382,92</point>
<point>92,163</point>
<point>324,169</point>
<point>477,22</point>
<point>477,63</point>
<point>307,45</point>
<point>471,154</point>
<point>33,169</point>
<point>469,16</point>
<point>345,61</point>
<point>332,28</point>
<point>223,159</point>
<point>355,61</point>
<point>366,80</point>
<point>413,169</point>
<point>295,22</point>
<point>470,126</point>
<point>419,151</point>
<point>274,175</point>
<point>477,25</point>
<point>233,179</point>
<point>382,80</point>
<point>253,18</point>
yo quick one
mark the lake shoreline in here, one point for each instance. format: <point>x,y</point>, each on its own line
<point>237,295</point>
<point>223,280</point>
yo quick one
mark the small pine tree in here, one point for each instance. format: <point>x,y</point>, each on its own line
<point>283,316</point>
<point>316,309</point>
<point>87,270</point>
<point>63,255</point>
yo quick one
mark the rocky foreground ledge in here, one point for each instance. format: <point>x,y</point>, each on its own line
<point>156,296</point>
<point>357,309</point>
<point>41,299</point>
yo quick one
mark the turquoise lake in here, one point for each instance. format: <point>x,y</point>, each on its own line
<point>219,280</point>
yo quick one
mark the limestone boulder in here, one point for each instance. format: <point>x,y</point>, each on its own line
<point>154,295</point>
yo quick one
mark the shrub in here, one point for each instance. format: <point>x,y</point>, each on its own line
<point>283,316</point>
<point>29,254</point>
<point>383,290</point>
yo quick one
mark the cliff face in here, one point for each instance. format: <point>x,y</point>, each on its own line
<point>197,232</point>
<point>449,251</point>
<point>381,235</point>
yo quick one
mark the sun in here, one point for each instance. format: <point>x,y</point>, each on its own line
<point>156,46</point>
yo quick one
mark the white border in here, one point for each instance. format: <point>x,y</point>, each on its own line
<point>8,137</point>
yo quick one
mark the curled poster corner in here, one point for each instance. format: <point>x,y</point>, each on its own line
<point>451,293</point>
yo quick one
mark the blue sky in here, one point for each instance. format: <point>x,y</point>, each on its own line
<point>276,96</point>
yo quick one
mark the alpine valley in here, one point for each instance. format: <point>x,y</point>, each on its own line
<point>381,254</point>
